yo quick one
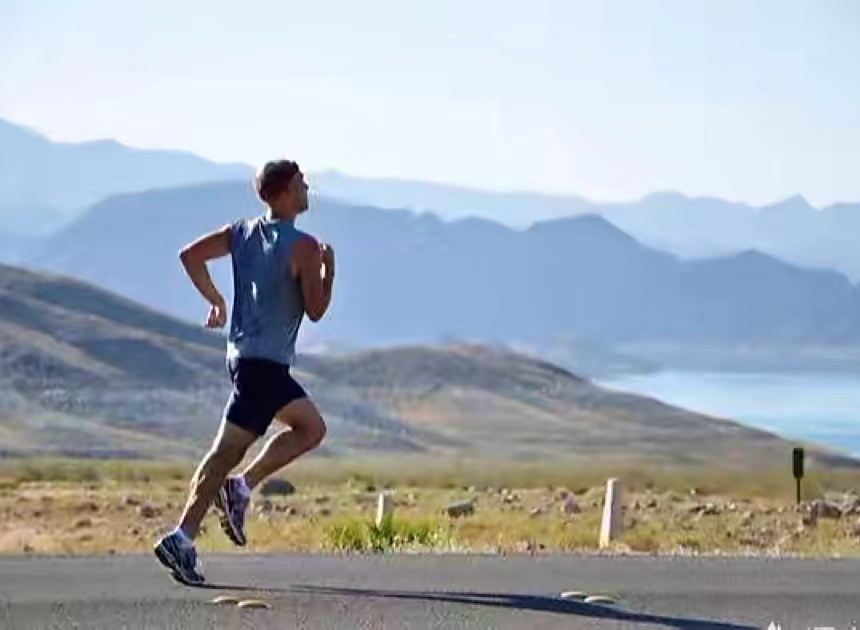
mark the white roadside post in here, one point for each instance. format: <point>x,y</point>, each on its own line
<point>610,526</point>
<point>383,508</point>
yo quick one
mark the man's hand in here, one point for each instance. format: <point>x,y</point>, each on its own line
<point>327,258</point>
<point>217,314</point>
<point>194,257</point>
<point>312,264</point>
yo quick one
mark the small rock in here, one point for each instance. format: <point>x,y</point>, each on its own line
<point>570,506</point>
<point>324,512</point>
<point>826,509</point>
<point>147,510</point>
<point>536,512</point>
<point>511,497</point>
<point>733,507</point>
<point>460,508</point>
<point>276,486</point>
<point>131,500</point>
<point>784,540</point>
<point>89,506</point>
<point>28,548</point>
<point>82,522</point>
<point>321,499</point>
<point>651,503</point>
<point>134,531</point>
<point>525,546</point>
<point>850,506</point>
<point>809,520</point>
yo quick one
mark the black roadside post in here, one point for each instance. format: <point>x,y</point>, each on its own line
<point>798,468</point>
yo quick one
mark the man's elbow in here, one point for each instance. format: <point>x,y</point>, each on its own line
<point>315,312</point>
<point>185,255</point>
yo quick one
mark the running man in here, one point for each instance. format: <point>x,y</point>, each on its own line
<point>280,275</point>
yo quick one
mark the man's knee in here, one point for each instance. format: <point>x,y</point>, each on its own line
<point>305,421</point>
<point>310,433</point>
<point>318,432</point>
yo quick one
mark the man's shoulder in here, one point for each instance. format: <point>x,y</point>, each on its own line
<point>243,227</point>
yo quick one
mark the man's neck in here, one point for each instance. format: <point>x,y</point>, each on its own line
<point>283,215</point>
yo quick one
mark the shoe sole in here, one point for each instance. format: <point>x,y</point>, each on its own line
<point>224,519</point>
<point>170,564</point>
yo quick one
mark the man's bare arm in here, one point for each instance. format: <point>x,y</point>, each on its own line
<point>194,257</point>
<point>308,259</point>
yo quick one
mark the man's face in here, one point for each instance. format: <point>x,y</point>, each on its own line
<point>299,191</point>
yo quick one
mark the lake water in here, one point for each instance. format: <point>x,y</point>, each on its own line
<point>823,408</point>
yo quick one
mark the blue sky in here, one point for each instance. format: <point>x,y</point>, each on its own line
<point>609,99</point>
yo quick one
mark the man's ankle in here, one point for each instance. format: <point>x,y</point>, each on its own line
<point>183,535</point>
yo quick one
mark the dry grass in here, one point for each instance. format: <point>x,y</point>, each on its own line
<point>53,506</point>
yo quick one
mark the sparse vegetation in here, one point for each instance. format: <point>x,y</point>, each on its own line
<point>79,507</point>
<point>393,534</point>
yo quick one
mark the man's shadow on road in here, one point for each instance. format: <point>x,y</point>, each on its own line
<point>535,603</point>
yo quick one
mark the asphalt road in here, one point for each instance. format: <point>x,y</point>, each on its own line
<point>406,591</point>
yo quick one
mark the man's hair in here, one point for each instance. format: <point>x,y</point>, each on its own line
<point>274,178</point>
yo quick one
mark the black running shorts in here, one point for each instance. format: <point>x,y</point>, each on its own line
<point>261,388</point>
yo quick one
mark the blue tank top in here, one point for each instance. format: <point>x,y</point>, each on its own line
<point>268,304</point>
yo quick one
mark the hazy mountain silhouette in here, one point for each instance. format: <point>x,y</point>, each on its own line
<point>688,226</point>
<point>404,277</point>
<point>44,183</point>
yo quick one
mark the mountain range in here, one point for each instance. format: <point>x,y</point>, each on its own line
<point>45,184</point>
<point>86,372</point>
<point>576,289</point>
<point>691,227</point>
<point>406,277</point>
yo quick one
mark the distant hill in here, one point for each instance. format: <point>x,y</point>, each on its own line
<point>85,372</point>
<point>44,184</point>
<point>691,227</point>
<point>407,277</point>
